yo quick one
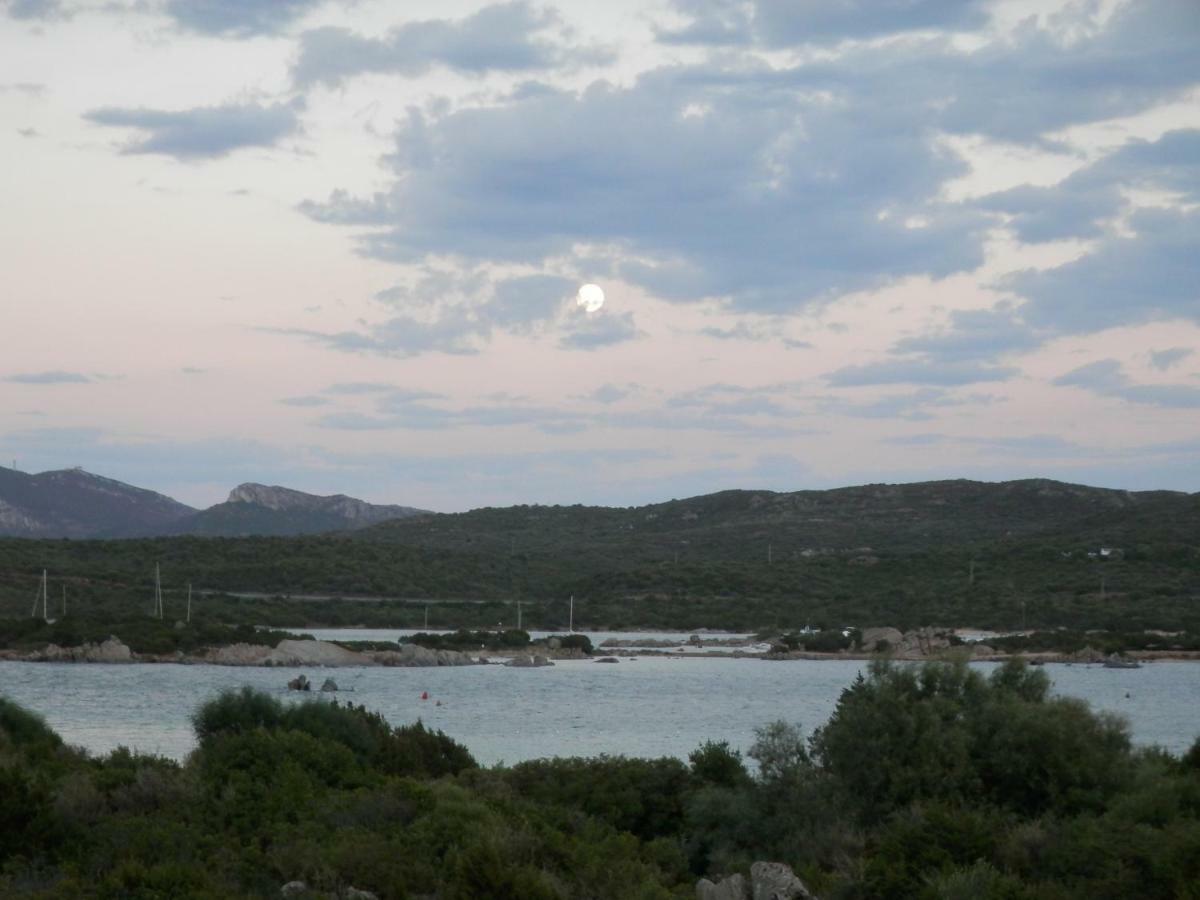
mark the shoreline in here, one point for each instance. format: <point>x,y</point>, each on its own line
<point>291,654</point>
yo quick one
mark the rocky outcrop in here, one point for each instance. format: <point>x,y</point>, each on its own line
<point>351,509</point>
<point>874,639</point>
<point>109,651</point>
<point>300,683</point>
<point>528,662</point>
<point>776,881</point>
<point>735,887</point>
<point>324,653</point>
<point>916,643</point>
<point>412,655</point>
<point>329,687</point>
<point>768,881</point>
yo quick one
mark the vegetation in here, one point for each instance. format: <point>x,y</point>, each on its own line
<point>1008,556</point>
<point>141,634</point>
<point>929,782</point>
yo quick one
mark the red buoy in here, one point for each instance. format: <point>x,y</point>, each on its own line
<point>424,695</point>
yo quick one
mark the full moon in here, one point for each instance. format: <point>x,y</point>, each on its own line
<point>590,297</point>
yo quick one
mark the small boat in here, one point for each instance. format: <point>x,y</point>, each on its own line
<point>1117,662</point>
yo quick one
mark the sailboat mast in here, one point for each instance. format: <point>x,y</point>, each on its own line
<point>571,625</point>
<point>45,597</point>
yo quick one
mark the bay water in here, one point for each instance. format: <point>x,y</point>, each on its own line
<point>650,706</point>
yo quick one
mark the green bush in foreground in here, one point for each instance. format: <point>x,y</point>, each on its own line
<point>928,781</point>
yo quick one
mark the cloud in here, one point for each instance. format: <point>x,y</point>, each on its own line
<point>204,132</point>
<point>1082,205</point>
<point>973,335</point>
<point>506,37</point>
<point>770,198</point>
<point>777,23</point>
<point>919,371</point>
<point>609,393</point>
<point>36,9</point>
<point>592,332</point>
<point>304,402</point>
<point>1107,378</point>
<point>238,18</point>
<point>28,88</point>
<point>518,304</point>
<point>1127,279</point>
<point>55,377</point>
<point>366,387</point>
<point>1164,359</point>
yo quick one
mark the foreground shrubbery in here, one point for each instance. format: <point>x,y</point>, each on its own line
<point>929,781</point>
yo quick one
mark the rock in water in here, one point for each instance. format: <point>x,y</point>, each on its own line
<point>732,888</point>
<point>776,881</point>
<point>329,687</point>
<point>299,683</point>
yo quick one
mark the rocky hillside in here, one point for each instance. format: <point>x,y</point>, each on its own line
<point>259,509</point>
<point>74,503</point>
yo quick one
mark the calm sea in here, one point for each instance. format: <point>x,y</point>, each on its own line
<point>654,706</point>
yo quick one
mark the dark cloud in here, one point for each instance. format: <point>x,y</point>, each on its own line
<point>777,23</point>
<point>508,37</point>
<point>1081,205</point>
<point>761,196</point>
<point>238,18</point>
<point>973,335</point>
<point>1126,280</point>
<point>460,312</point>
<point>203,132</point>
<point>519,304</point>
<point>1107,378</point>
<point>36,9</point>
<point>592,332</point>
<point>919,371</point>
<point>55,377</point>
<point>1164,359</point>
<point>610,393</point>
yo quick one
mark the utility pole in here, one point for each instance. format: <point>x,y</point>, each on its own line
<point>571,625</point>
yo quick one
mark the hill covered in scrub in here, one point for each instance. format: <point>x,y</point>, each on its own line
<point>1031,553</point>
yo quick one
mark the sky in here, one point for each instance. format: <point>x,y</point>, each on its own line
<point>336,245</point>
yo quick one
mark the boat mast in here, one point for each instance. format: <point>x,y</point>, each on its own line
<point>45,597</point>
<point>571,625</point>
<point>189,610</point>
<point>518,615</point>
<point>158,604</point>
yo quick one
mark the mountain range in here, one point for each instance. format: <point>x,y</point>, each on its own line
<point>72,503</point>
<point>745,524</point>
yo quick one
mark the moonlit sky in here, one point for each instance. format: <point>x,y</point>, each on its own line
<point>336,245</point>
